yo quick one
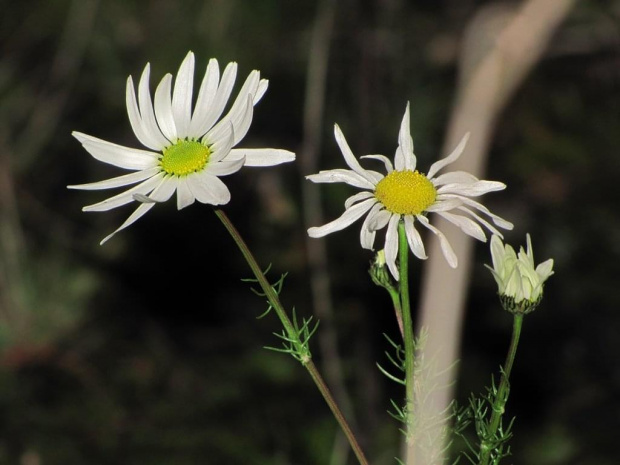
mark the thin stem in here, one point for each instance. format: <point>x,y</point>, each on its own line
<point>398,311</point>
<point>503,390</point>
<point>403,261</point>
<point>272,296</point>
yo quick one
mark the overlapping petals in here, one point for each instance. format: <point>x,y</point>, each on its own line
<point>169,119</point>
<point>454,201</point>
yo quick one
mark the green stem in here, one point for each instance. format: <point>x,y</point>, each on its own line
<point>398,311</point>
<point>502,392</point>
<point>403,259</point>
<point>272,296</point>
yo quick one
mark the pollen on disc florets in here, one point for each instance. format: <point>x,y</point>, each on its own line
<point>406,192</point>
<point>185,157</point>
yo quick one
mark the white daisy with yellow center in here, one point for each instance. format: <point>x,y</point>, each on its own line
<point>189,150</point>
<point>408,195</point>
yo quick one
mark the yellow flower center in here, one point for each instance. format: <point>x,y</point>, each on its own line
<point>185,157</point>
<point>406,192</point>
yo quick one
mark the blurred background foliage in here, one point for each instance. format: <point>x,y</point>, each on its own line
<point>148,350</point>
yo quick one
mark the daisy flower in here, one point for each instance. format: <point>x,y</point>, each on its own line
<point>188,150</point>
<point>405,194</point>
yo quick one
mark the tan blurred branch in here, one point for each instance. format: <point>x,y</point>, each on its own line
<point>492,68</point>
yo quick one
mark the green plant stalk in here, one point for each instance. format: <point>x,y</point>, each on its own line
<point>274,300</point>
<point>503,390</point>
<point>403,259</point>
<point>398,311</point>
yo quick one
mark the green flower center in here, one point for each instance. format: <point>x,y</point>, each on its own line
<point>406,192</point>
<point>185,157</point>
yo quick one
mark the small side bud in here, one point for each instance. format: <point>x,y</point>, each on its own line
<point>519,281</point>
<point>380,274</point>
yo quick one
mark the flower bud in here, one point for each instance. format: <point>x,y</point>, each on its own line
<point>519,281</point>
<point>379,272</point>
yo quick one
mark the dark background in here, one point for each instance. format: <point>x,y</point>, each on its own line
<point>147,350</point>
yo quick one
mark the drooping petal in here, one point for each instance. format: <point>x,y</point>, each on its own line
<point>118,181</point>
<point>498,221</point>
<point>182,96</point>
<point>467,225</point>
<point>215,185</point>
<point>380,220</point>
<point>349,216</point>
<point>340,175</point>
<point>117,155</point>
<point>125,197</point>
<point>438,165</point>
<point>414,239</point>
<point>367,236</point>
<point>442,205</point>
<point>482,221</point>
<point>391,245</point>
<point>163,109</point>
<point>446,248</point>
<point>135,216</point>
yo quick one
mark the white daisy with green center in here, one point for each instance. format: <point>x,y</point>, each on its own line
<point>408,195</point>
<point>189,150</point>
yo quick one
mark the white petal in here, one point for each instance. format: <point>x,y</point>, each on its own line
<point>482,221</point>
<point>341,175</point>
<point>220,148</point>
<point>545,269</point>
<point>435,167</point>
<point>391,245</point>
<point>163,109</point>
<point>455,177</point>
<point>148,135</point>
<point>446,248</point>
<point>119,181</point>
<point>405,142</point>
<point>357,197</point>
<point>212,114</point>
<point>349,216</point>
<point>135,216</point>
<point>164,191</point>
<point>367,236</point>
<point>386,161</point>
<point>117,155</point>
<point>475,189</point>
<point>467,225</point>
<point>351,161</point>
<point>184,194</point>
<point>262,88</point>
<point>147,113</point>
<point>502,223</point>
<point>442,205</point>
<point>380,220</point>
<point>125,197</point>
<point>414,239</point>
<point>261,157</point>
<point>240,120</point>
<point>206,95</point>
<point>225,167</point>
<point>497,252</point>
<point>182,96</point>
<point>213,184</point>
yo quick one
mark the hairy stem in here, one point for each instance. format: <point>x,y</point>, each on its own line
<point>403,262</point>
<point>274,300</point>
<point>502,391</point>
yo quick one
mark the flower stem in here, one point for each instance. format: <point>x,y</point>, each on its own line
<point>274,300</point>
<point>403,257</point>
<point>502,392</point>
